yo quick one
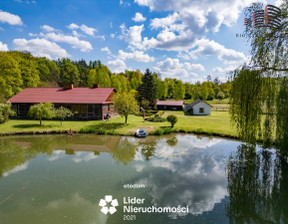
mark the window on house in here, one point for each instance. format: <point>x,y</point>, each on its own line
<point>201,110</point>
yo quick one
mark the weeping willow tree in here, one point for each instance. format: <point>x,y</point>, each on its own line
<point>252,105</point>
<point>282,116</point>
<point>259,94</point>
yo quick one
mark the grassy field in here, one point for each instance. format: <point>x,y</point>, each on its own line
<point>218,123</point>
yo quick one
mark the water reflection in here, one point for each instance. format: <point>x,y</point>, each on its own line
<point>184,175</point>
<point>125,151</point>
<point>257,185</point>
<point>221,181</point>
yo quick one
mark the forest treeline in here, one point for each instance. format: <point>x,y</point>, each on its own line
<point>19,70</point>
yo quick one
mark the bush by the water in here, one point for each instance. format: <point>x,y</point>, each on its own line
<point>162,131</point>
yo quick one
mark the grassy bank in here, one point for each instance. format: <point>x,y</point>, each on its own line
<point>216,124</point>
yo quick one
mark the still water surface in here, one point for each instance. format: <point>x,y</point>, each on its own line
<point>59,179</point>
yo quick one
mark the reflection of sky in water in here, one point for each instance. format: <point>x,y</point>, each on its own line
<point>77,157</point>
<point>192,172</point>
<point>16,169</point>
<point>186,174</point>
<point>67,210</point>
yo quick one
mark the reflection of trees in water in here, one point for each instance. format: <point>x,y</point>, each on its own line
<point>257,185</point>
<point>172,141</point>
<point>148,149</point>
<point>125,152</point>
<point>15,153</point>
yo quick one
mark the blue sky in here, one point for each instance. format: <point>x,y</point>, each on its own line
<point>183,39</point>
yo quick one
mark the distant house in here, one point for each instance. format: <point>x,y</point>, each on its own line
<point>169,105</point>
<point>88,103</point>
<point>198,107</point>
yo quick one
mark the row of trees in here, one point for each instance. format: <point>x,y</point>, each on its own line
<point>46,111</point>
<point>19,70</point>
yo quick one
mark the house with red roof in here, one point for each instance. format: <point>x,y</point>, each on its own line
<point>87,103</point>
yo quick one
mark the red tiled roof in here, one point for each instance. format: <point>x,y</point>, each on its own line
<point>80,95</point>
<point>169,103</point>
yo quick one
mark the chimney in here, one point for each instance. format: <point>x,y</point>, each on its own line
<point>68,86</point>
<point>96,86</point>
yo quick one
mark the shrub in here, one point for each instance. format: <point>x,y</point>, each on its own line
<point>156,119</point>
<point>5,112</point>
<point>158,132</point>
<point>160,113</point>
<point>172,119</point>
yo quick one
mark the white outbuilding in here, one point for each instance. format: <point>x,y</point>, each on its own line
<point>198,107</point>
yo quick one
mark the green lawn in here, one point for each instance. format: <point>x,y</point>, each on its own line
<point>217,123</point>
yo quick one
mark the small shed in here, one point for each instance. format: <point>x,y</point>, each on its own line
<point>169,105</point>
<point>199,107</point>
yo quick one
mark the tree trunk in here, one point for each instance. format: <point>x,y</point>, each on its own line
<point>40,121</point>
<point>61,122</point>
<point>126,118</point>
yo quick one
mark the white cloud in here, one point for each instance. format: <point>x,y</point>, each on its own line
<point>124,3</point>
<point>183,55</point>
<point>84,46</point>
<point>47,28</point>
<point>101,37</point>
<point>133,34</point>
<point>279,2</point>
<point>88,30</point>
<point>3,47</point>
<point>40,47</point>
<point>172,67</point>
<point>138,17</point>
<point>136,55</point>
<point>207,47</point>
<point>106,49</point>
<point>224,70</point>
<point>27,2</point>
<point>73,26</point>
<point>117,66</point>
<point>112,35</point>
<point>85,29</point>
<point>76,34</point>
<point>33,34</point>
<point>6,17</point>
<point>189,21</point>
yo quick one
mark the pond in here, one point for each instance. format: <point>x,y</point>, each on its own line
<point>90,179</point>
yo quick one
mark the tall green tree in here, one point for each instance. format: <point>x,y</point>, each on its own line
<point>125,104</point>
<point>68,72</point>
<point>92,78</point>
<point>269,55</point>
<point>147,90</point>
<point>41,111</point>
<point>62,113</point>
<point>10,76</point>
<point>179,91</point>
<point>116,83</point>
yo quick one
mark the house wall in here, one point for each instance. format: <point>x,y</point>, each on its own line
<point>196,108</point>
<point>108,108</point>
<point>166,107</point>
<point>88,111</point>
